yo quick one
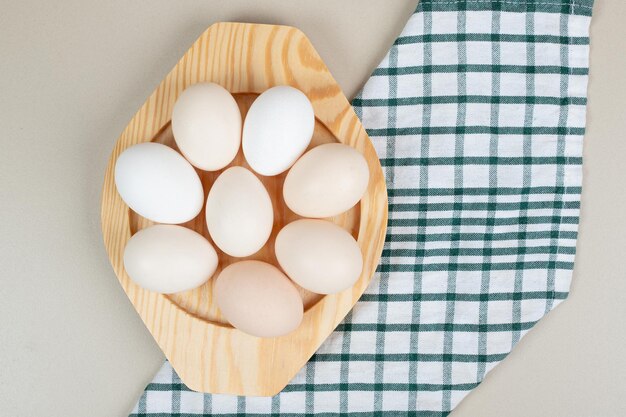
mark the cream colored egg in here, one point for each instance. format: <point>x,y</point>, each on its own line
<point>258,299</point>
<point>206,124</point>
<point>239,212</point>
<point>158,183</point>
<point>169,259</point>
<point>326,181</point>
<point>319,255</point>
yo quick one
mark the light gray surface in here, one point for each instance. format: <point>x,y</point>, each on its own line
<point>72,75</point>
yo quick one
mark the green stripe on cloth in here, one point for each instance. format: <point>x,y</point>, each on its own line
<point>411,101</point>
<point>578,7</point>
<point>462,68</point>
<point>526,295</point>
<point>468,130</point>
<point>477,114</point>
<point>502,191</point>
<point>491,37</point>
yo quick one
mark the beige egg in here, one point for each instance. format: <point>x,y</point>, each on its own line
<point>319,255</point>
<point>326,181</point>
<point>206,124</point>
<point>258,299</point>
<point>168,258</point>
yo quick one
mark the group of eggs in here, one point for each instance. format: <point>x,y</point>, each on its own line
<point>161,185</point>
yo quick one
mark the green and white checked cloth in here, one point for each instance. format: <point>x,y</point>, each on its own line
<point>477,113</point>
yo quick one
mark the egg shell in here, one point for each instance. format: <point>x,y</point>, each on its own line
<point>258,299</point>
<point>158,183</point>
<point>169,259</point>
<point>206,123</point>
<point>319,255</point>
<point>326,181</point>
<point>277,130</point>
<point>239,212</point>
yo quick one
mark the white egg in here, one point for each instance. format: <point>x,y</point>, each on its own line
<point>206,123</point>
<point>319,255</point>
<point>258,299</point>
<point>277,130</point>
<point>239,212</point>
<point>328,180</point>
<point>158,183</point>
<point>169,258</point>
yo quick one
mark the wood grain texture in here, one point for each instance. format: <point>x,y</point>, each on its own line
<point>207,353</point>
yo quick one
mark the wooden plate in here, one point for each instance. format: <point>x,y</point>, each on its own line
<point>207,353</point>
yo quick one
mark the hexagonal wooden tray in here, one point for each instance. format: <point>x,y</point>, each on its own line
<point>208,354</point>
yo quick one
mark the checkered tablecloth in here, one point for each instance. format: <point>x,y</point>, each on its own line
<point>477,114</point>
